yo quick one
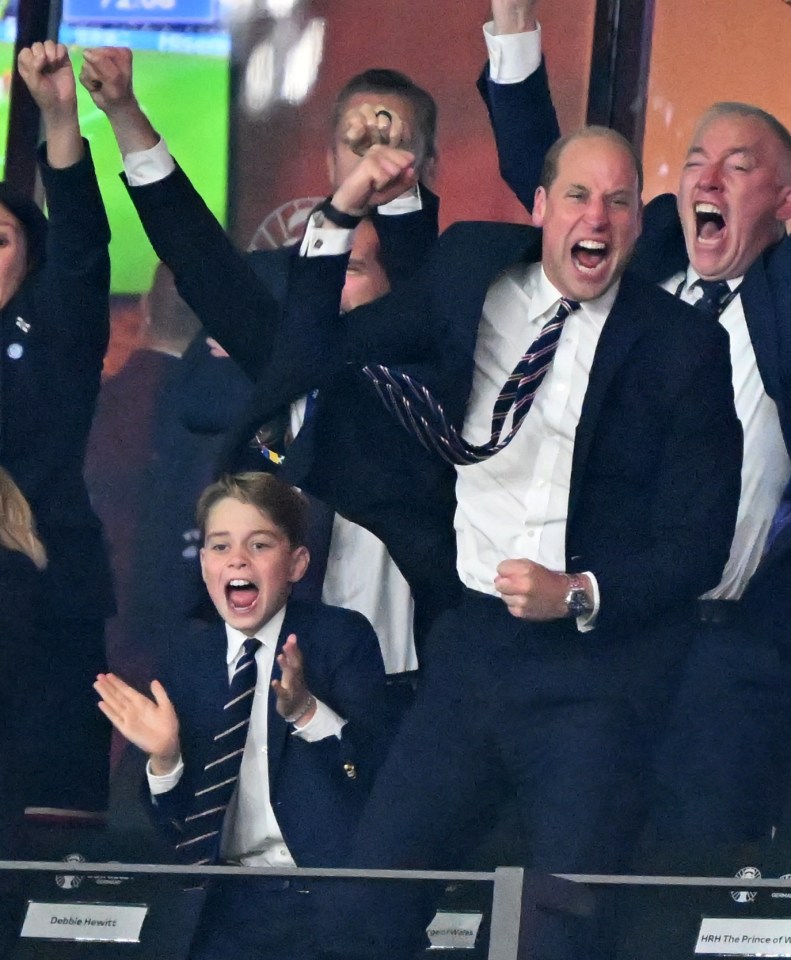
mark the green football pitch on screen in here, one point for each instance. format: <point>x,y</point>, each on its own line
<point>186,98</point>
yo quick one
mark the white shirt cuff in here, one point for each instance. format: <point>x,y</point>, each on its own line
<point>324,723</point>
<point>587,621</point>
<point>512,56</point>
<point>148,166</point>
<point>325,241</point>
<point>408,202</point>
<point>165,782</point>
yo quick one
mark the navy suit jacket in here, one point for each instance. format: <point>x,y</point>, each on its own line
<point>656,466</point>
<point>316,801</point>
<point>351,455</point>
<point>53,337</point>
<point>525,125</point>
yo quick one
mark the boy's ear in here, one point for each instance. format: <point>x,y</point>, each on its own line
<point>300,560</point>
<point>202,568</point>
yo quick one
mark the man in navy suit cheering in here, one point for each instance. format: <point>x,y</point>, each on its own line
<point>590,418</point>
<point>720,782</point>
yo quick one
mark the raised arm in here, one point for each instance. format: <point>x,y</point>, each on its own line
<point>514,16</point>
<point>515,89</point>
<point>48,74</point>
<point>212,276</point>
<point>107,75</point>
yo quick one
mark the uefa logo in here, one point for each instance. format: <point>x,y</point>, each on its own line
<point>782,894</point>
<point>70,881</point>
<point>746,896</point>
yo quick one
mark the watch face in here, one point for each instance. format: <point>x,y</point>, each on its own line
<point>577,602</point>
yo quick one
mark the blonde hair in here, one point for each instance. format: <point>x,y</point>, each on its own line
<point>17,527</point>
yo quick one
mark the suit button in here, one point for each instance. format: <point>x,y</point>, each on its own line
<point>350,771</point>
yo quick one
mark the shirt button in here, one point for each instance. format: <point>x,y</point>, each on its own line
<point>318,244</point>
<point>531,533</point>
<point>283,852</point>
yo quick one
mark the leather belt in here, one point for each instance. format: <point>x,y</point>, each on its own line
<point>715,613</point>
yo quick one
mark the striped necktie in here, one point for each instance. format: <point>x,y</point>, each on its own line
<point>202,831</point>
<point>423,415</point>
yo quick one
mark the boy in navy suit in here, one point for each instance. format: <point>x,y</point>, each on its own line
<point>305,756</point>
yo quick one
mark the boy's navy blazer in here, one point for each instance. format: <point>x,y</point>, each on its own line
<point>317,789</point>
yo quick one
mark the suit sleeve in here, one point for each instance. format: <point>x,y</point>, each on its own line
<point>212,276</point>
<point>525,126</point>
<point>405,240</point>
<point>345,671</point>
<point>76,275</point>
<point>48,414</point>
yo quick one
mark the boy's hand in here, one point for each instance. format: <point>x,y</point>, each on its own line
<point>151,725</point>
<point>293,696</point>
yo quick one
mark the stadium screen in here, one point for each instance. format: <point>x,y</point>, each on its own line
<point>181,69</point>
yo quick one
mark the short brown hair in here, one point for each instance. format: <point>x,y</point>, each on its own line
<point>385,81</point>
<point>550,169</point>
<point>285,505</point>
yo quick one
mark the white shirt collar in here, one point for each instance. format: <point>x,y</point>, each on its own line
<point>693,276</point>
<point>545,297</point>
<point>268,635</point>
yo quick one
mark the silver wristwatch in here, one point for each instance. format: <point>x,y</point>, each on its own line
<point>577,601</point>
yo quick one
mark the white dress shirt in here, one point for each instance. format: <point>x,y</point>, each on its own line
<point>514,505</point>
<point>765,467</point>
<point>251,834</point>
<point>361,575</point>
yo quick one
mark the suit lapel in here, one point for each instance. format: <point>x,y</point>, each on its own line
<point>761,318</point>
<point>277,728</point>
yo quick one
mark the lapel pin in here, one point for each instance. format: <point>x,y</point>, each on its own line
<point>23,325</point>
<point>14,351</point>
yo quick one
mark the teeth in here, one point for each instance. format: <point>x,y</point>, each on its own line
<point>592,245</point>
<point>239,583</point>
<point>707,208</point>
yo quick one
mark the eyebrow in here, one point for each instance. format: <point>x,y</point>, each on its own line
<point>252,533</point>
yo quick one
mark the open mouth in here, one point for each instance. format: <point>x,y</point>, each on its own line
<point>588,255</point>
<point>241,595</point>
<point>709,221</point>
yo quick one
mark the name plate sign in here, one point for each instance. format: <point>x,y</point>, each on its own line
<point>111,923</point>
<point>453,931</point>
<point>750,937</point>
